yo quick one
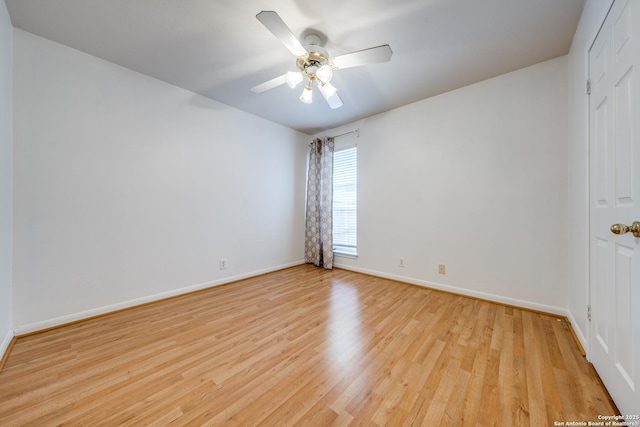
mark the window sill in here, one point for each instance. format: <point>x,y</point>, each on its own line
<point>345,254</point>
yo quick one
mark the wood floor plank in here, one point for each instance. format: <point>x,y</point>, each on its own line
<point>304,346</point>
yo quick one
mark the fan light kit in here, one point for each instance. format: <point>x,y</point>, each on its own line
<point>314,63</point>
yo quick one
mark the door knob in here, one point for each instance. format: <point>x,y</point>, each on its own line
<point>622,229</point>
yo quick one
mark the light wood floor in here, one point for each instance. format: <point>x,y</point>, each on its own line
<point>305,346</point>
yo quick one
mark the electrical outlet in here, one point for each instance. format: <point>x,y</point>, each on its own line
<point>442,269</point>
<point>223,264</point>
<point>401,262</point>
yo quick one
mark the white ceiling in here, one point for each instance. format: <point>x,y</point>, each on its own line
<point>217,48</point>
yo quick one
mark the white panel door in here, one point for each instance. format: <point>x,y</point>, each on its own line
<point>615,198</point>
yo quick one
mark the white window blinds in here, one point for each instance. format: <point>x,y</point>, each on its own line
<point>345,200</point>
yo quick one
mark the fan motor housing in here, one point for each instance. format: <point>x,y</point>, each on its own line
<point>316,57</point>
<point>310,63</point>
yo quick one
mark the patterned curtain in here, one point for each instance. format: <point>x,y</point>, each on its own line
<point>319,221</point>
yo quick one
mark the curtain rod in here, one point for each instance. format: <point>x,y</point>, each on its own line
<point>356,131</point>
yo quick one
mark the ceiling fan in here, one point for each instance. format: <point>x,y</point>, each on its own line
<point>313,61</point>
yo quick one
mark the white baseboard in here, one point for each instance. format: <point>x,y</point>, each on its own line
<point>6,341</point>
<point>58,321</point>
<point>462,291</point>
<point>578,332</point>
<point>74,317</point>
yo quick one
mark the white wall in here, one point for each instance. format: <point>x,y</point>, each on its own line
<point>128,189</point>
<point>474,179</point>
<point>6,333</point>
<point>578,166</point>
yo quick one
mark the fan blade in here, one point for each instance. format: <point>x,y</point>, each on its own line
<point>363,57</point>
<point>334,101</point>
<point>330,94</point>
<point>263,87</point>
<point>276,25</point>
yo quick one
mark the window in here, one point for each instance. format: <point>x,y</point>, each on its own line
<point>345,200</point>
